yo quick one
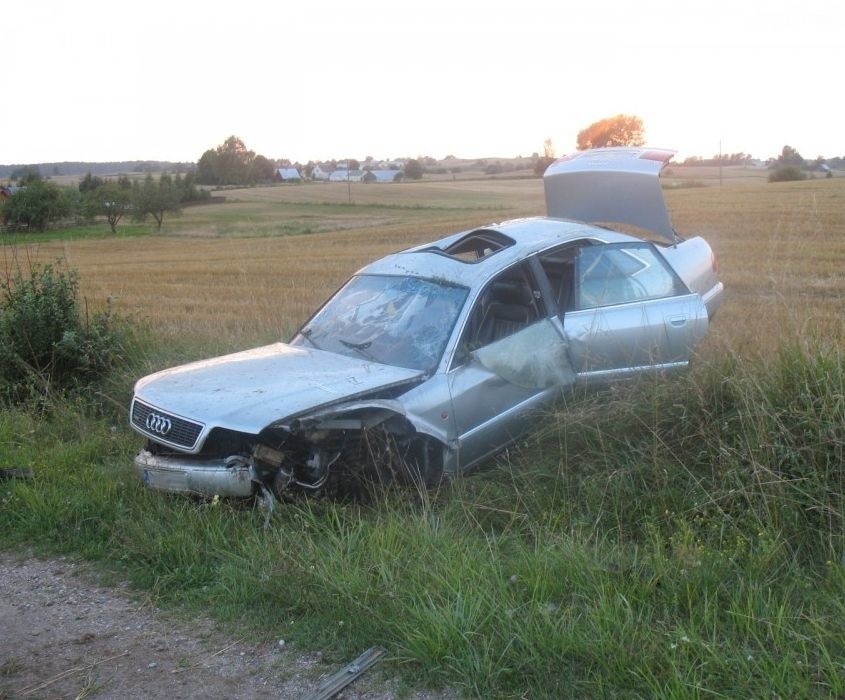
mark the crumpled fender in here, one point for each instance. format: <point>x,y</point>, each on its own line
<point>356,415</point>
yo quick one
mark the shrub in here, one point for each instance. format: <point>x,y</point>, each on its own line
<point>45,342</point>
<point>787,173</point>
<point>38,204</point>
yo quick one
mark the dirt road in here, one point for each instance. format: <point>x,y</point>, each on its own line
<point>62,636</point>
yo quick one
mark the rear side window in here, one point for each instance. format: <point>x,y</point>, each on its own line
<point>623,273</point>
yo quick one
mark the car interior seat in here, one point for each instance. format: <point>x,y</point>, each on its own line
<point>508,310</point>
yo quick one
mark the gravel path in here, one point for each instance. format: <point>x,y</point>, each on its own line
<point>62,636</point>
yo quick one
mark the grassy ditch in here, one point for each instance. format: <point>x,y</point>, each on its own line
<point>672,539</point>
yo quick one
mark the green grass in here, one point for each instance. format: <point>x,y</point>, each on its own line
<point>87,232</point>
<point>679,538</point>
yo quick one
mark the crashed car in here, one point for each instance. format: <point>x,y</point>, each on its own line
<point>430,360</point>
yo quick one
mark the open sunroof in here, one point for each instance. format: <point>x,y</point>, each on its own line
<point>478,245</point>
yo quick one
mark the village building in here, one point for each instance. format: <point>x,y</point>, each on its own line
<point>321,171</point>
<point>383,176</point>
<point>346,176</point>
<point>287,175</point>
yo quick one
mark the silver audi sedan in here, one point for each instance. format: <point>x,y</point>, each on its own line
<point>430,360</point>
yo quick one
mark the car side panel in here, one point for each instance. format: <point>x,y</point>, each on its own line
<point>628,338</point>
<point>490,411</point>
<point>694,262</point>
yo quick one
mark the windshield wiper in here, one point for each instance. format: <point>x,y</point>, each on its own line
<point>306,333</point>
<point>360,347</point>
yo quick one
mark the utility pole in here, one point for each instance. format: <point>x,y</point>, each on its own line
<point>720,162</point>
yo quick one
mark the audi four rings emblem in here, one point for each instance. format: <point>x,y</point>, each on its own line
<point>158,424</point>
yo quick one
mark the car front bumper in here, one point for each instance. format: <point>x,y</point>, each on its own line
<point>194,476</point>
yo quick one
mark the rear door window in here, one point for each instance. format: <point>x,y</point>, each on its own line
<point>622,273</point>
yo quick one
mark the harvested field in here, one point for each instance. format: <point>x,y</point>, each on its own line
<point>256,266</point>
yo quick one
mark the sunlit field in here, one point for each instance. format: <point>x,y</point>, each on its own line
<point>253,267</point>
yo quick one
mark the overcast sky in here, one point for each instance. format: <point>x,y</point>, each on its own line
<point>102,81</point>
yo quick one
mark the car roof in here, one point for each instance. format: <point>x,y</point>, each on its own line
<point>528,236</point>
<point>598,186</point>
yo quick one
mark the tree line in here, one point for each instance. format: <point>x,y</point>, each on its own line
<point>17,172</point>
<point>36,203</point>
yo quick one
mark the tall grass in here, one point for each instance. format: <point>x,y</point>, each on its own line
<point>666,539</point>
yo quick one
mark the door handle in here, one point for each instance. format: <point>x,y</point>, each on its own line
<point>678,321</point>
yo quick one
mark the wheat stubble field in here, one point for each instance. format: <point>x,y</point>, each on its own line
<point>253,267</point>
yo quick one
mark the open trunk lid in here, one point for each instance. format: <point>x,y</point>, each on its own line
<point>613,186</point>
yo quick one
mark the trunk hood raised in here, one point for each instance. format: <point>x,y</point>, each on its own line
<point>611,185</point>
<point>247,391</point>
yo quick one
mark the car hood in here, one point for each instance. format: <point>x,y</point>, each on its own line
<point>247,391</point>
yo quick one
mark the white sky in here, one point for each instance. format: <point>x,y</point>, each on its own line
<point>320,79</point>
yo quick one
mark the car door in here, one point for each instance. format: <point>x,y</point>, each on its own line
<point>510,360</point>
<point>629,313</point>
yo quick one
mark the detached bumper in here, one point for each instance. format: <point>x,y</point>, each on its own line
<point>193,476</point>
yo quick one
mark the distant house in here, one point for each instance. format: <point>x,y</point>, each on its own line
<point>287,175</point>
<point>347,176</point>
<point>383,176</point>
<point>321,172</point>
<point>7,191</point>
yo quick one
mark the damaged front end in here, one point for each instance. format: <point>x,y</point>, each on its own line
<point>232,476</point>
<point>336,451</point>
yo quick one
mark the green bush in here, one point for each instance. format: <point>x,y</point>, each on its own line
<point>787,173</point>
<point>38,204</point>
<point>46,343</point>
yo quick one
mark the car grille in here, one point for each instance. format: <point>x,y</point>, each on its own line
<point>182,432</point>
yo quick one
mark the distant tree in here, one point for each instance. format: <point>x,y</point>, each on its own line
<point>232,163</point>
<point>789,156</point>
<point>114,201</point>
<point>548,157</point>
<point>207,172</point>
<point>26,174</point>
<point>90,182</point>
<point>261,170</point>
<point>38,204</point>
<point>621,130</point>
<point>413,169</point>
<point>353,164</point>
<point>155,199</point>
<point>186,189</point>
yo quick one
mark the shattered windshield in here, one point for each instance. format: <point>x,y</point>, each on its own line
<point>400,321</point>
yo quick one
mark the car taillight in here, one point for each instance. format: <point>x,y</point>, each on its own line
<point>713,262</point>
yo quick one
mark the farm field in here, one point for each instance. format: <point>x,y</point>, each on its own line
<point>674,539</point>
<point>254,267</point>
